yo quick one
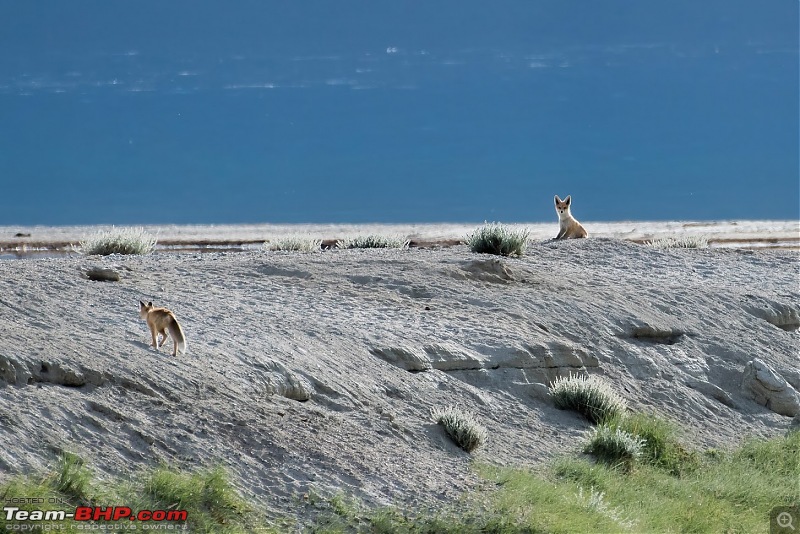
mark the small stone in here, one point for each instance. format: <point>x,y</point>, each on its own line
<point>102,274</point>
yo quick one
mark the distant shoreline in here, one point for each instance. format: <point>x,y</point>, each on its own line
<point>25,240</point>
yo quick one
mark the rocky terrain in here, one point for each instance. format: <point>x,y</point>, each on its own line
<point>318,371</point>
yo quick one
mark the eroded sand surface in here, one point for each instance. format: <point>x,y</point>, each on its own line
<point>319,371</point>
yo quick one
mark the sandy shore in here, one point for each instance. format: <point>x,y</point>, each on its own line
<point>740,234</point>
<point>318,371</point>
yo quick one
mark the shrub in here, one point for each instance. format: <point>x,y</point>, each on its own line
<point>613,445</point>
<point>462,427</point>
<point>119,241</point>
<point>295,244</point>
<point>373,241</point>
<point>686,241</point>
<point>495,238</point>
<point>660,445</point>
<point>587,395</point>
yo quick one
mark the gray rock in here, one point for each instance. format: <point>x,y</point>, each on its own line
<point>276,379</point>
<point>101,274</point>
<point>762,384</point>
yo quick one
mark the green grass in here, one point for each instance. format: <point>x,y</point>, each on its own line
<point>119,241</point>
<point>462,427</point>
<point>211,502</point>
<point>662,447</point>
<point>731,491</point>
<point>373,241</point>
<point>496,238</point>
<point>687,241</point>
<point>588,395</point>
<point>73,479</point>
<point>725,491</point>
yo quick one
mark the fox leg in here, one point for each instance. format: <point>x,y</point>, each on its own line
<point>561,234</point>
<point>154,333</point>
<point>163,333</point>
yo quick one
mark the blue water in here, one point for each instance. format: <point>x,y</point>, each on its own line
<point>371,111</point>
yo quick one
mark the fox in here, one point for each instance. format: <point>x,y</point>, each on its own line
<point>569,227</point>
<point>161,321</point>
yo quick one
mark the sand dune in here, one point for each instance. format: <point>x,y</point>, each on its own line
<point>319,371</point>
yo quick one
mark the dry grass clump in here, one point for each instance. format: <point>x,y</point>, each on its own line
<point>495,238</point>
<point>588,395</point>
<point>294,244</point>
<point>686,241</point>
<point>614,446</point>
<point>373,241</point>
<point>119,241</point>
<point>461,426</point>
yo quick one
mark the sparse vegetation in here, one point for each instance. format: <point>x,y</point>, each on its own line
<point>462,427</point>
<point>731,493</point>
<point>294,244</point>
<point>727,491</point>
<point>211,503</point>
<point>495,238</point>
<point>588,395</point>
<point>614,446</point>
<point>119,241</point>
<point>661,447</point>
<point>373,241</point>
<point>686,241</point>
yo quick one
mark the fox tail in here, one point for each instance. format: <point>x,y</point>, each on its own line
<point>176,332</point>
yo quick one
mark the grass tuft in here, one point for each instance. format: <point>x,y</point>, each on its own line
<point>687,241</point>
<point>208,494</point>
<point>588,395</point>
<point>462,427</point>
<point>614,446</point>
<point>294,244</point>
<point>373,241</point>
<point>119,241</point>
<point>661,447</point>
<point>495,238</point>
<point>73,478</point>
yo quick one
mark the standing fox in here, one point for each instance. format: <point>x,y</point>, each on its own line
<point>161,320</point>
<point>569,227</point>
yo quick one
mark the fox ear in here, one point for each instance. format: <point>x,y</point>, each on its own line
<point>568,200</point>
<point>557,199</point>
<point>141,304</point>
<point>149,304</point>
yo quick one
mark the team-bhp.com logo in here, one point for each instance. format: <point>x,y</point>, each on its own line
<point>89,514</point>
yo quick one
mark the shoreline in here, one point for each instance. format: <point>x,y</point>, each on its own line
<point>721,234</point>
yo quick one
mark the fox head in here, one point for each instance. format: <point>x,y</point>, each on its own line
<point>562,206</point>
<point>144,308</point>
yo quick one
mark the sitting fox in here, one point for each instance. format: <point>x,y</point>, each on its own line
<point>569,227</point>
<point>161,321</point>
